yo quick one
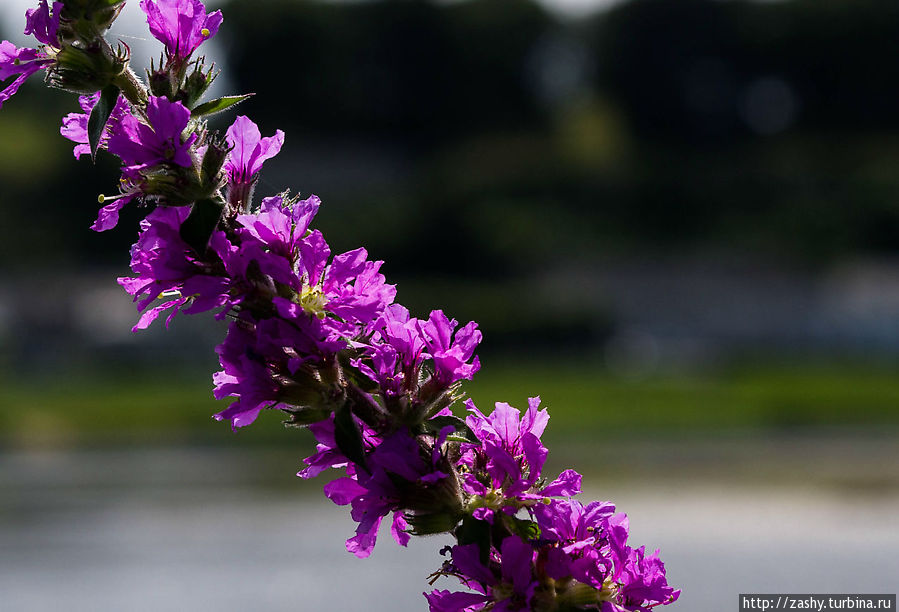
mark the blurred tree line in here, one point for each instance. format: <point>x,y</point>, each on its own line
<point>487,139</point>
<point>768,128</point>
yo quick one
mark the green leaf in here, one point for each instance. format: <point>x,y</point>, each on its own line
<point>218,105</point>
<point>348,436</point>
<point>96,123</point>
<point>199,225</point>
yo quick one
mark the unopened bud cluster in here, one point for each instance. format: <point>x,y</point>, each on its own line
<point>320,336</point>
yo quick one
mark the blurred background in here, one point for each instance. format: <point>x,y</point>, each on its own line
<point>677,221</point>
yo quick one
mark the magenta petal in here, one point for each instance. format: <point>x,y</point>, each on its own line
<point>363,543</point>
<point>446,601</point>
<point>517,566</point>
<point>151,315</point>
<point>398,529</point>
<point>13,87</point>
<point>181,25</point>
<point>343,490</point>
<point>108,216</point>
<point>567,484</point>
<point>467,559</point>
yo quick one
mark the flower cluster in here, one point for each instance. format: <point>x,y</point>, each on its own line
<point>543,550</point>
<point>320,338</point>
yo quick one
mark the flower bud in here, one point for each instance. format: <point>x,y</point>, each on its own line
<point>86,70</point>
<point>196,83</point>
<point>87,20</point>
<point>160,82</point>
<point>214,158</point>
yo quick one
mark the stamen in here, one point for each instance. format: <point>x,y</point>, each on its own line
<point>205,32</point>
<point>102,199</point>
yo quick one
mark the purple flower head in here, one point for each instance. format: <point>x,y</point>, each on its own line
<point>581,540</point>
<point>246,374</point>
<point>399,474</point>
<point>24,62</point>
<point>259,361</point>
<point>43,25</point>
<point>163,266</point>
<point>140,145</point>
<point>355,289</point>
<point>642,583</point>
<point>396,350</point>
<point>181,25</point>
<point>249,150</point>
<point>507,581</point>
<point>74,125</point>
<point>342,298</point>
<point>451,354</point>
<point>503,473</point>
<point>279,227</point>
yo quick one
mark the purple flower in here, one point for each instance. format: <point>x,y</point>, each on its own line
<point>580,537</point>
<point>163,265</point>
<point>503,472</point>
<point>507,582</point>
<point>246,375</point>
<point>42,25</point>
<point>74,125</point>
<point>249,151</point>
<point>451,354</point>
<point>399,475</point>
<point>140,145</point>
<point>259,362</point>
<point>642,582</point>
<point>278,228</point>
<point>24,62</point>
<point>396,350</point>
<point>345,297</point>
<point>181,25</point>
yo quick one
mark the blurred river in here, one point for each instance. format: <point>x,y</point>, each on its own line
<point>188,529</point>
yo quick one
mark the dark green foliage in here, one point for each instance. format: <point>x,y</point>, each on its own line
<point>96,123</point>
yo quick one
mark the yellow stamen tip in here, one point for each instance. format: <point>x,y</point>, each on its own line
<point>101,198</point>
<point>205,32</point>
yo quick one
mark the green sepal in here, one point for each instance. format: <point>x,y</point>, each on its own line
<point>431,523</point>
<point>348,436</point>
<point>218,105</point>
<point>301,417</point>
<point>199,225</point>
<point>528,530</point>
<point>96,123</point>
<point>462,429</point>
